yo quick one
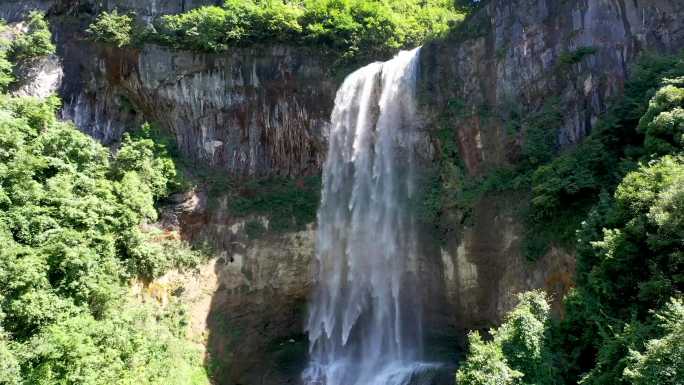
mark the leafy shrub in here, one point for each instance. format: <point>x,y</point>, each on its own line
<point>205,29</point>
<point>541,133</point>
<point>129,347</point>
<point>485,365</point>
<point>254,229</point>
<point>642,220</point>
<point>516,354</point>
<point>155,252</point>
<point>112,28</point>
<point>564,189</point>
<point>289,204</point>
<point>523,337</point>
<point>10,372</point>
<point>663,123</point>
<point>576,56</point>
<point>628,263</point>
<point>141,156</point>
<point>36,41</point>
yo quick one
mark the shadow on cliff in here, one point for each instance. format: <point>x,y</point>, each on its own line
<point>254,324</point>
<point>254,336</point>
<point>255,318</point>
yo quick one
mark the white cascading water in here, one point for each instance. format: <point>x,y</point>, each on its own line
<point>364,321</point>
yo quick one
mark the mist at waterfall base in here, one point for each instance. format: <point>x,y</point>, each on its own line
<point>364,322</point>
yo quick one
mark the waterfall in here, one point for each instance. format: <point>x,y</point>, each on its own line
<point>364,322</point>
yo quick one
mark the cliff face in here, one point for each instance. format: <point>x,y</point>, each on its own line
<point>250,111</point>
<point>14,10</point>
<point>513,59</point>
<point>261,110</point>
<point>258,289</point>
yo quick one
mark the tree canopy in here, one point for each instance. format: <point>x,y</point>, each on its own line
<point>70,229</point>
<point>356,30</point>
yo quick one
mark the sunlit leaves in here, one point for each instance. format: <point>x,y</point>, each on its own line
<point>36,41</point>
<point>71,217</point>
<point>356,30</point>
<point>112,28</point>
<point>662,363</point>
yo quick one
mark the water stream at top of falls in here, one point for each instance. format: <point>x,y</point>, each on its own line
<point>364,322</point>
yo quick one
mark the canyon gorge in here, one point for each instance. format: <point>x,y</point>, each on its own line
<point>265,303</point>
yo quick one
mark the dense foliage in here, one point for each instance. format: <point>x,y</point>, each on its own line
<point>562,187</point>
<point>358,30</point>
<point>661,362</point>
<point>624,320</point>
<point>6,76</point>
<point>112,28</point>
<point>36,41</point>
<point>568,186</point>
<point>71,236</point>
<point>289,204</point>
<point>516,352</point>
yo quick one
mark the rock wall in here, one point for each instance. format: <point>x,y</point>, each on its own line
<point>256,291</point>
<point>150,9</point>
<point>510,59</point>
<point>483,268</point>
<point>252,111</point>
<point>514,56</point>
<point>14,10</point>
<point>40,77</point>
<point>256,111</point>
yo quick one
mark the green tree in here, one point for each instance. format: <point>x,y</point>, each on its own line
<point>36,41</point>
<point>523,337</point>
<point>71,217</point>
<point>140,156</point>
<point>353,30</point>
<point>629,262</point>
<point>485,365</point>
<point>662,363</point>
<point>10,372</point>
<point>517,353</point>
<point>663,123</point>
<point>112,28</point>
<point>6,76</point>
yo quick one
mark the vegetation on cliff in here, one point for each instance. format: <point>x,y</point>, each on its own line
<point>74,231</point>
<point>35,42</point>
<point>623,322</point>
<point>355,30</point>
<point>6,76</point>
<point>32,43</point>
<point>70,229</point>
<point>112,28</point>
